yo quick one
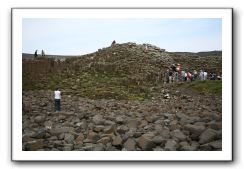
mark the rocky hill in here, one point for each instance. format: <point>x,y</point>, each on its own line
<point>114,100</point>
<point>124,71</point>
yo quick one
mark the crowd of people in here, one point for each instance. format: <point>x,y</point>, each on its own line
<point>175,74</point>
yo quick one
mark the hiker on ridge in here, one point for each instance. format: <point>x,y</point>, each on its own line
<point>43,54</point>
<point>57,98</point>
<point>113,43</point>
<point>35,55</point>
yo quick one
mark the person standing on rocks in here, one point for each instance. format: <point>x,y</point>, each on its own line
<point>57,98</point>
<point>35,55</point>
<point>43,54</point>
<point>113,43</point>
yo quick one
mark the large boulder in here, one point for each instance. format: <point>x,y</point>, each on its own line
<point>34,145</point>
<point>194,129</point>
<point>58,131</point>
<point>207,136</point>
<point>145,141</point>
<point>117,141</point>
<point>130,144</point>
<point>98,119</point>
<point>39,119</point>
<point>69,138</point>
<point>171,145</point>
<point>178,135</point>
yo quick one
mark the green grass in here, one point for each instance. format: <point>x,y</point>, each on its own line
<point>208,86</point>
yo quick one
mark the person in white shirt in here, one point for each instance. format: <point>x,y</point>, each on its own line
<point>57,98</point>
<point>205,75</point>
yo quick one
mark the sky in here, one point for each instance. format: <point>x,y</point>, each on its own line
<point>83,36</point>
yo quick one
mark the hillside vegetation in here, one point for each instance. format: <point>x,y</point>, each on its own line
<point>124,71</point>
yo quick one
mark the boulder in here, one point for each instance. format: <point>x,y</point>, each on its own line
<point>41,133</point>
<point>69,138</point>
<point>117,141</point>
<point>98,119</point>
<point>104,140</point>
<point>130,144</point>
<point>34,145</point>
<point>171,145</point>
<point>79,139</point>
<point>93,137</point>
<point>216,144</point>
<point>178,135</point>
<point>39,119</point>
<point>122,129</point>
<point>207,136</point>
<point>133,123</point>
<point>194,129</point>
<point>57,131</point>
<point>145,141</point>
<point>119,120</point>
<point>109,129</point>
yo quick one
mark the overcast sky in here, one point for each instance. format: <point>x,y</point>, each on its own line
<point>81,36</point>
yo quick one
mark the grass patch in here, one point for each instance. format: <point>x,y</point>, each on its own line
<point>208,86</point>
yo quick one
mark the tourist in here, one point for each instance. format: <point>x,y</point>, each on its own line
<point>43,54</point>
<point>57,98</point>
<point>35,55</point>
<point>113,43</point>
<point>166,76</point>
<point>146,48</point>
<point>182,75</point>
<point>205,75</point>
<point>178,68</point>
<point>170,75</point>
<point>194,75</point>
<point>189,76</point>
<point>201,75</point>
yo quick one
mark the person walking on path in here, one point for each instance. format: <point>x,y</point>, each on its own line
<point>57,98</point>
